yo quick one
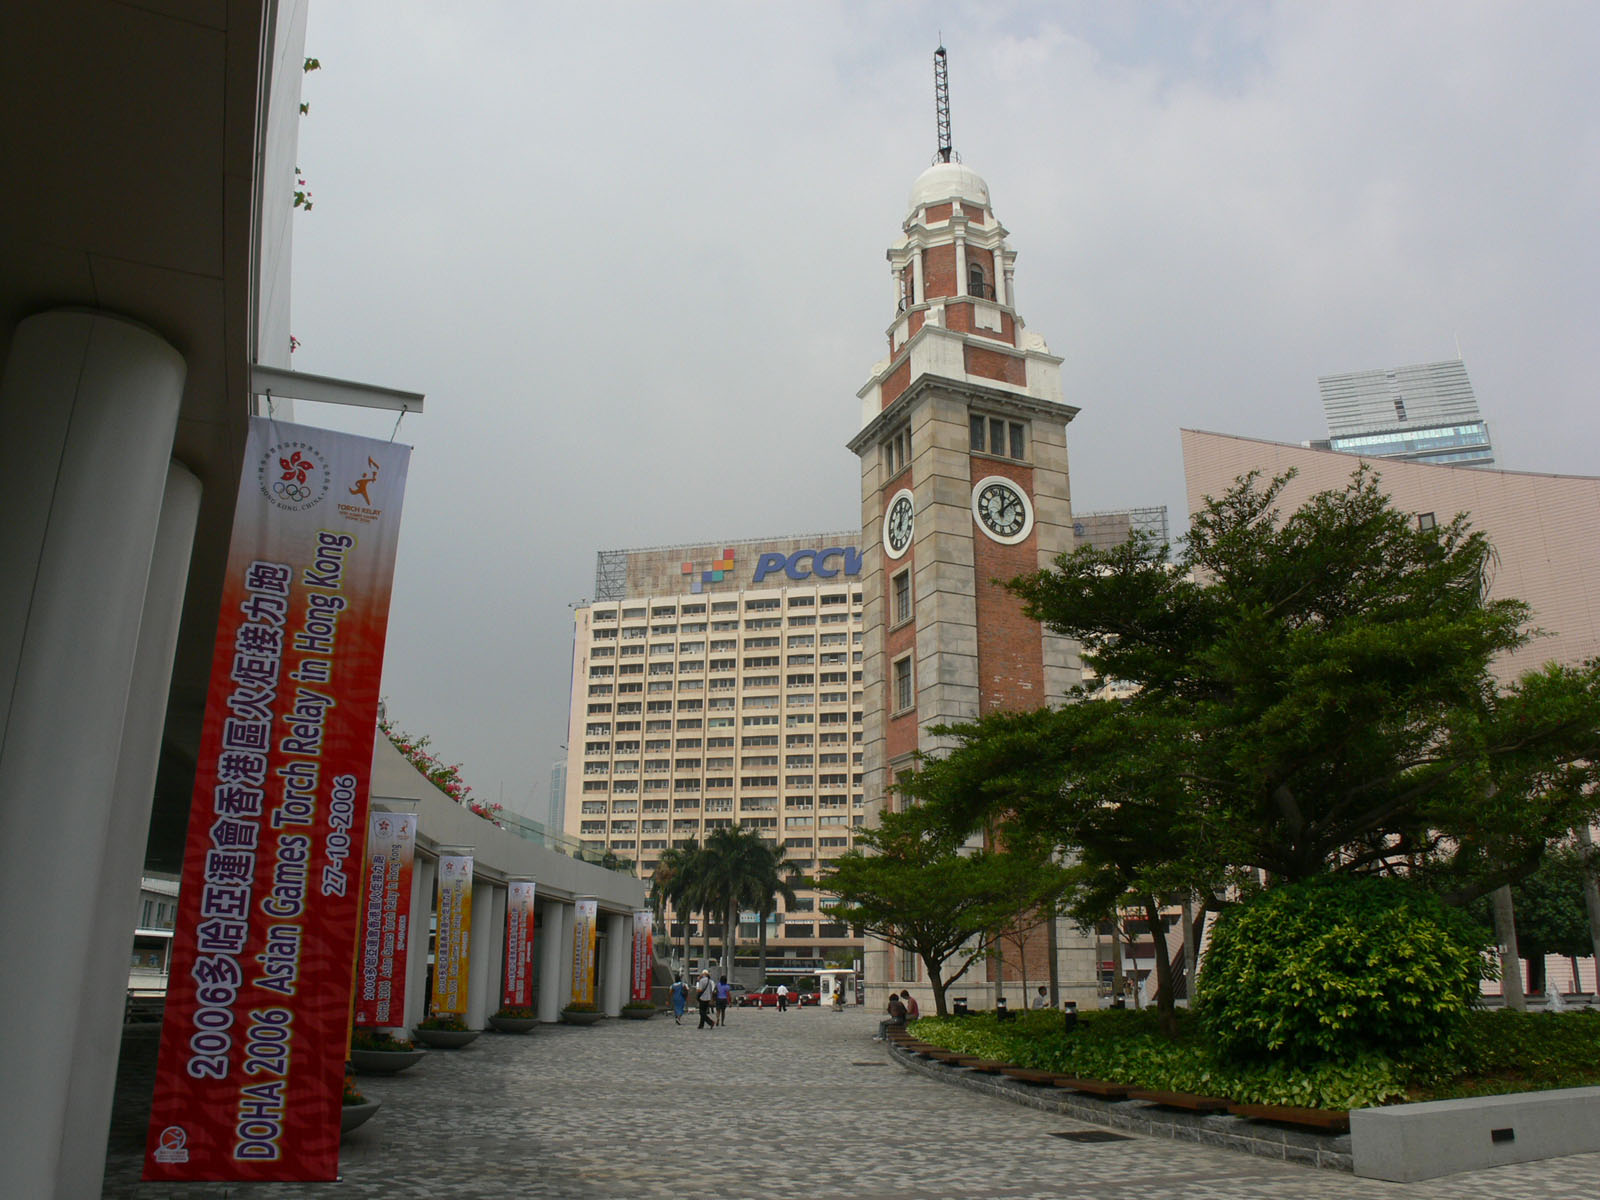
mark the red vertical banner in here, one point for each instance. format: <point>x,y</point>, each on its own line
<point>385,919</point>
<point>643,956</point>
<point>519,944</point>
<point>249,1082</point>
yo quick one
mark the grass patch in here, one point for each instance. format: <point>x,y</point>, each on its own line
<point>1496,1051</point>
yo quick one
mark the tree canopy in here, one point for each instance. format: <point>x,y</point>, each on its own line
<point>1310,694</point>
<point>913,884</point>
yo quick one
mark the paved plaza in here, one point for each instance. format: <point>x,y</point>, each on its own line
<point>794,1106</point>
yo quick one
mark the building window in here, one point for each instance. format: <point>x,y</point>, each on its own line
<point>992,435</point>
<point>1425,521</point>
<point>977,285</point>
<point>897,452</point>
<point>903,694</point>
<point>908,965</point>
<point>901,585</point>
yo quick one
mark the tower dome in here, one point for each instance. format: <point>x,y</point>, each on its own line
<point>948,181</point>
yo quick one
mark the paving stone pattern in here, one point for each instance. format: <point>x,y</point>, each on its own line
<point>774,1106</point>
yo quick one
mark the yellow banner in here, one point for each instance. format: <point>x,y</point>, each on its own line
<point>585,914</point>
<point>454,935</point>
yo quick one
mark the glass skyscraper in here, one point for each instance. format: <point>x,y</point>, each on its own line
<point>1423,413</point>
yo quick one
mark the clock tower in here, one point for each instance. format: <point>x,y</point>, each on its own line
<point>963,482</point>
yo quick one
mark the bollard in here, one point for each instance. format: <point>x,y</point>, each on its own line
<point>1069,1015</point>
<point>958,1007</point>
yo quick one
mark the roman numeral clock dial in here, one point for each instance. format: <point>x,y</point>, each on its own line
<point>898,524</point>
<point>1002,510</point>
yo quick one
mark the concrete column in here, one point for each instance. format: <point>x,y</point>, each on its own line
<point>564,968</point>
<point>920,292</point>
<point>1010,298</point>
<point>423,873</point>
<point>94,1064</point>
<point>614,972</point>
<point>89,404</point>
<point>478,953</point>
<point>961,266</point>
<point>551,994</point>
<point>494,987</point>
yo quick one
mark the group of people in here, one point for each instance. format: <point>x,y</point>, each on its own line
<point>902,1007</point>
<point>709,994</point>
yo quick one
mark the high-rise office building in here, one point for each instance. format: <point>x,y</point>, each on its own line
<point>721,684</point>
<point>1423,413</point>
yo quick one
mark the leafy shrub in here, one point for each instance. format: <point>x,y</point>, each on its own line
<point>1336,968</point>
<point>362,1038</point>
<point>443,1022</point>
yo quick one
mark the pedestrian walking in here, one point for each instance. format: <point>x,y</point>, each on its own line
<point>706,993</point>
<point>680,999</point>
<point>783,997</point>
<point>723,992</point>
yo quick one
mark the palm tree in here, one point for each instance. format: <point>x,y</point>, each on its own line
<point>738,860</point>
<point>774,878</point>
<point>677,882</point>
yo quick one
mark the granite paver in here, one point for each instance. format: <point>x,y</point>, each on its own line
<point>793,1106</point>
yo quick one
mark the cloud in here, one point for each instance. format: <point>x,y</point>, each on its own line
<point>634,254</point>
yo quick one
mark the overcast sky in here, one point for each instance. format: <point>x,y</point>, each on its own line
<point>634,255</point>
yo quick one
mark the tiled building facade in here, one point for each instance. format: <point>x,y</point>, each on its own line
<point>721,684</point>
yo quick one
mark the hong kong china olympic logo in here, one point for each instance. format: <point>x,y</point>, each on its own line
<point>293,476</point>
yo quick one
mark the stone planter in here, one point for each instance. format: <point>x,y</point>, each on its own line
<point>638,1014</point>
<point>384,1062</point>
<point>582,1018</point>
<point>445,1039</point>
<point>514,1024</point>
<point>354,1115</point>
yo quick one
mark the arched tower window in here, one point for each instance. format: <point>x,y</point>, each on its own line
<point>977,285</point>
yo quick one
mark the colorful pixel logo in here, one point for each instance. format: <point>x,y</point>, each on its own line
<point>718,572</point>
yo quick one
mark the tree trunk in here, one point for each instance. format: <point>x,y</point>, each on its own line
<point>1117,980</point>
<point>936,982</point>
<point>1167,1013</point>
<point>1591,897</point>
<point>1188,947</point>
<point>762,934</point>
<point>1054,960</point>
<point>707,960</point>
<point>730,934</point>
<point>1505,932</point>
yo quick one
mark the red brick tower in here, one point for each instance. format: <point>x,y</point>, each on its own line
<point>963,482</point>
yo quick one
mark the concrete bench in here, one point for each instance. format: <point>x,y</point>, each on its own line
<point>1408,1142</point>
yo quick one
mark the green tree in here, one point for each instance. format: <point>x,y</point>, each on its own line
<point>1311,693</point>
<point>771,879</point>
<point>912,883</point>
<point>675,884</point>
<point>1551,915</point>
<point>738,863</point>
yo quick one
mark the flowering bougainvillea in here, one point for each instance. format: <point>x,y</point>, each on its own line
<point>444,776</point>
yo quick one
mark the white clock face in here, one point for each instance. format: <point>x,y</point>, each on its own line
<point>898,523</point>
<point>1001,508</point>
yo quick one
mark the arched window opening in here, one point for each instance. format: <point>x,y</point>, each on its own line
<point>977,284</point>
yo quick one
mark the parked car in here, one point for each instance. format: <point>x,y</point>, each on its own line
<point>767,996</point>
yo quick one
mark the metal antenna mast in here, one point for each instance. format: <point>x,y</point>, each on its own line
<point>941,100</point>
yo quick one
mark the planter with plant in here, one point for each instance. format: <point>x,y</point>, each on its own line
<point>444,1033</point>
<point>638,1010</point>
<point>357,1110</point>
<point>514,1019</point>
<point>581,1014</point>
<point>373,1052</point>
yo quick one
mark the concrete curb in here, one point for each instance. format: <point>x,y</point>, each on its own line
<point>1226,1132</point>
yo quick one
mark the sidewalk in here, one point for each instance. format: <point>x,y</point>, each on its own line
<point>794,1106</point>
